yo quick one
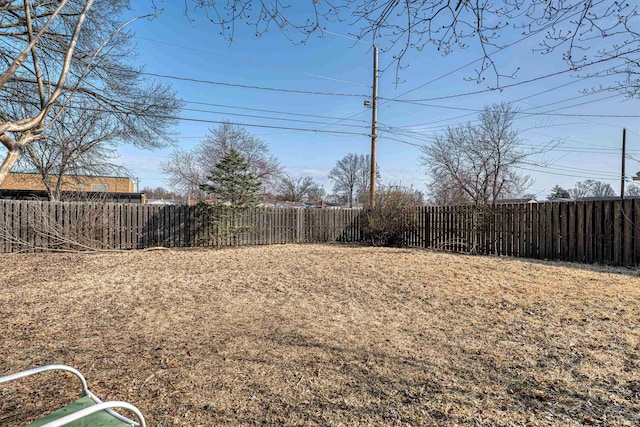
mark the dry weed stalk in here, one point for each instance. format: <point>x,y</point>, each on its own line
<point>57,227</point>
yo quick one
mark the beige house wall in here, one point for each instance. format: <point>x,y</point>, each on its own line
<point>32,181</point>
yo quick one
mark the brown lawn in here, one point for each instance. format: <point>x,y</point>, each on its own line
<point>324,335</point>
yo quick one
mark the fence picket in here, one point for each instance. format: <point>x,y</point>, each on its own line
<point>563,230</point>
<point>617,240</point>
<point>608,235</point>
<point>633,218</point>
<point>548,231</point>
<point>584,231</point>
<point>627,232</point>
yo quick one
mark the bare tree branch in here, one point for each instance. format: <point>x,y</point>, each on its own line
<point>398,26</point>
<point>77,66</point>
<point>351,177</point>
<point>300,189</point>
<point>477,164</point>
<point>187,171</point>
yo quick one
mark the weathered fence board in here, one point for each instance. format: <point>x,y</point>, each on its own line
<point>602,231</point>
<point>584,231</point>
<point>34,225</point>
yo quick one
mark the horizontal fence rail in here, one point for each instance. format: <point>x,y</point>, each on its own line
<point>601,231</point>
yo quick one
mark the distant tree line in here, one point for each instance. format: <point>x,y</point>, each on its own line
<point>588,188</point>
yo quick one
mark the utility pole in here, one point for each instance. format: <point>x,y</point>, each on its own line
<point>624,148</point>
<point>137,185</point>
<point>623,217</point>
<point>374,129</point>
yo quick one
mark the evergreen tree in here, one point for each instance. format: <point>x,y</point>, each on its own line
<point>232,183</point>
<point>236,190</point>
<point>558,192</point>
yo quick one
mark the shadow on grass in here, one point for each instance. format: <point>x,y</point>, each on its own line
<point>331,384</point>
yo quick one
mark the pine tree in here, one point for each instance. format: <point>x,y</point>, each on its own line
<point>558,192</point>
<point>232,183</point>
<point>236,190</point>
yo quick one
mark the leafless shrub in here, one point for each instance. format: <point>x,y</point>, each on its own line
<point>392,219</point>
<point>57,227</point>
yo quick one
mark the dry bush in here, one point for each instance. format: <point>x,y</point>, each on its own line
<point>392,219</point>
<point>57,226</point>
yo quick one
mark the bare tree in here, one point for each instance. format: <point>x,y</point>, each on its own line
<point>591,188</point>
<point>188,170</point>
<point>446,192</point>
<point>632,190</point>
<point>480,160</point>
<point>351,176</point>
<point>185,174</point>
<point>565,26</point>
<point>67,56</point>
<point>80,143</point>
<point>582,189</point>
<point>602,189</point>
<point>300,189</point>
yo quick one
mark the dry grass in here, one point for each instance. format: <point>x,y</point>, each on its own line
<point>325,335</point>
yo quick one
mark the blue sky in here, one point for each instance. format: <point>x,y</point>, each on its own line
<point>334,63</point>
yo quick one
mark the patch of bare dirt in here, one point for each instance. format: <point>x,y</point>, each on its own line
<point>324,335</point>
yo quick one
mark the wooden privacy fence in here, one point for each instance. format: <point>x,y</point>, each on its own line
<point>35,226</point>
<point>602,231</point>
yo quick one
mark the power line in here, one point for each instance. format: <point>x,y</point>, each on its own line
<point>269,118</point>
<point>271,111</point>
<point>262,126</point>
<point>348,37</point>
<point>419,125</point>
<point>480,59</point>
<point>422,125</point>
<point>401,141</point>
<point>553,112</point>
<point>344,119</point>
<point>523,112</point>
<point>592,173</point>
<point>569,175</point>
<point>573,81</point>
<point>583,120</point>
<point>211,82</point>
<point>584,95</point>
<point>579,150</point>
<point>191,119</point>
<point>610,116</point>
<point>412,135</point>
<point>326,125</point>
<point>532,80</point>
<point>261,64</point>
<point>603,150</point>
<point>474,111</point>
